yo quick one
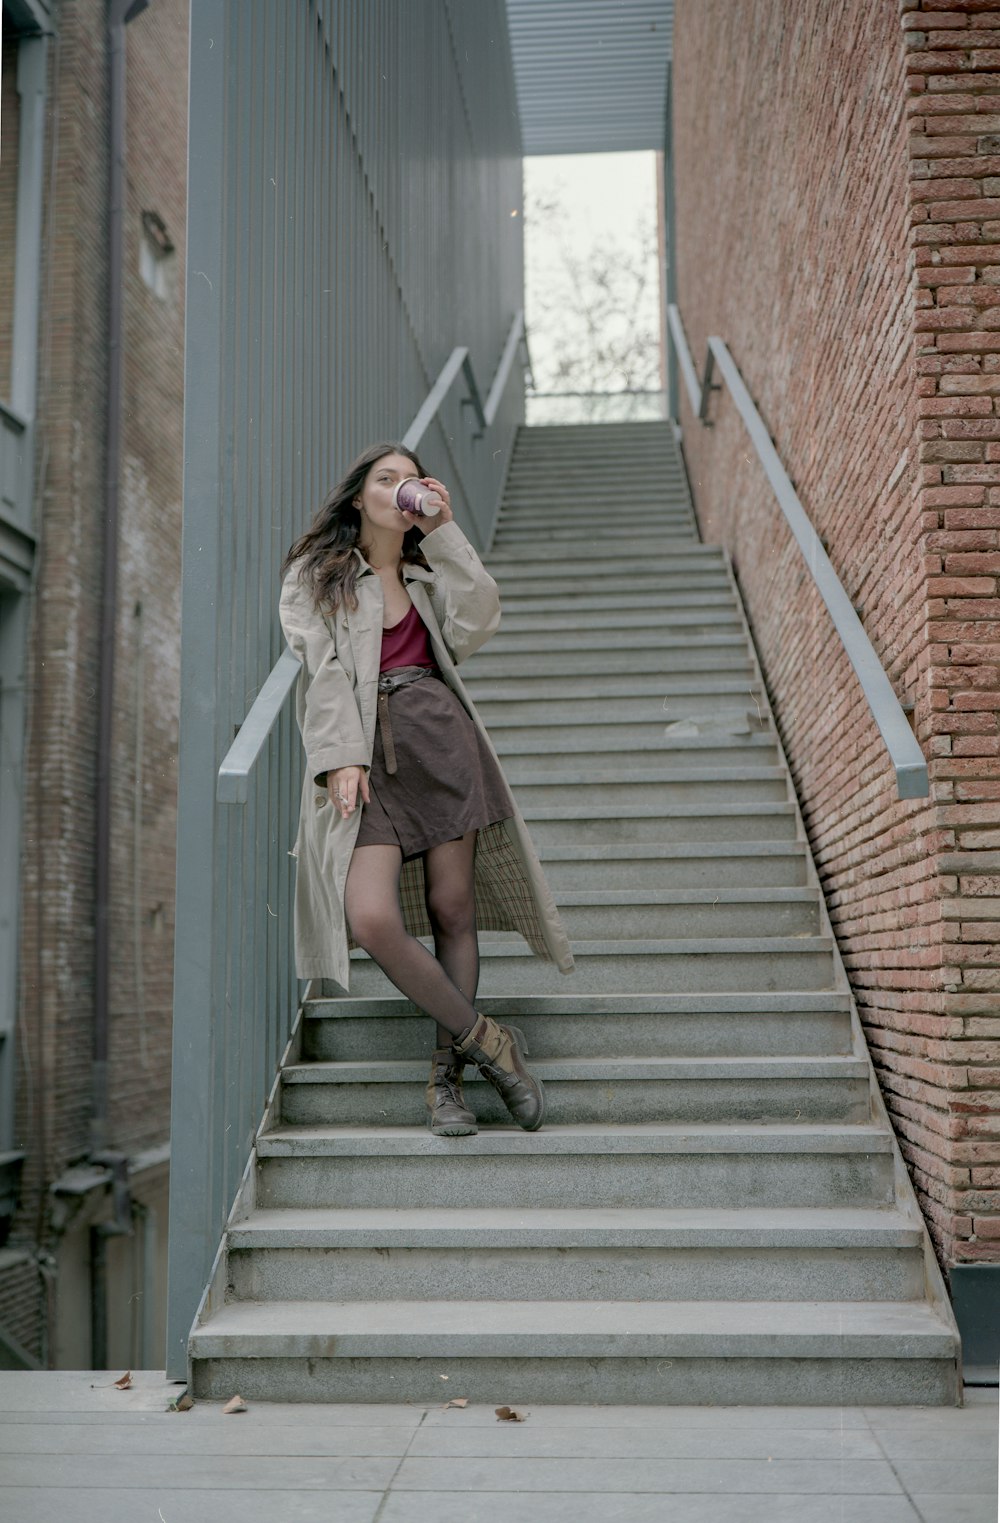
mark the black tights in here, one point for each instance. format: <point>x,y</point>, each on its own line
<point>442,982</point>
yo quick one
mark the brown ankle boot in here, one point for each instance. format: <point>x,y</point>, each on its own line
<point>449,1114</point>
<point>497,1052</point>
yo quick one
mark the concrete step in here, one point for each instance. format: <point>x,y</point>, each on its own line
<point>657,646</point>
<point>672,623</point>
<point>654,505</point>
<point>669,584</point>
<point>590,1026</point>
<point>613,1166</point>
<point>605,1089</point>
<point>711,1352</point>
<point>613,548</point>
<point>572,529</point>
<point>726,838</point>
<point>665,699</point>
<point>660,648</point>
<point>578,1255</point>
<point>665,521</point>
<point>569,454</point>
<point>564,468</point>
<point>654,912</point>
<point>639,488</point>
<point>582,462</point>
<point>553,666</point>
<point>699,560</point>
<point>640,966</point>
<point>690,865</point>
<point>705,689</point>
<point>664,867</point>
<point>649,505</point>
<point>734,736</point>
<point>610,597</point>
<point>642,743</point>
<point>607,435</point>
<point>584,452</point>
<point>656,784</point>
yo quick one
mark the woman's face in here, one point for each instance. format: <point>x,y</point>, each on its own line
<point>375,498</point>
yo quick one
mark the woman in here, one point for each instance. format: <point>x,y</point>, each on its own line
<point>407,826</point>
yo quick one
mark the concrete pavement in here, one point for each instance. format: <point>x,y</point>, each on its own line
<point>74,1447</point>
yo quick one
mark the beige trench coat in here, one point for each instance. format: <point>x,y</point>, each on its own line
<point>336,708</point>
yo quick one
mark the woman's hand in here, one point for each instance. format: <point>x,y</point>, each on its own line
<point>428,525</point>
<point>343,785</point>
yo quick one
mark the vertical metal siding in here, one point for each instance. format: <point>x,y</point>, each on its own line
<point>353,169</point>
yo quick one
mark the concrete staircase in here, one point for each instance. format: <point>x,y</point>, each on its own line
<point>716,1209</point>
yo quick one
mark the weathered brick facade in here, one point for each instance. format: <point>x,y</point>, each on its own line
<point>838,224</point>
<point>54,1083</point>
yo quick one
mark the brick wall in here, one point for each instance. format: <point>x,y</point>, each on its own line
<point>57,949</point>
<point>838,224</point>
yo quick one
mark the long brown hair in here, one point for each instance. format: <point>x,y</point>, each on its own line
<point>329,566</point>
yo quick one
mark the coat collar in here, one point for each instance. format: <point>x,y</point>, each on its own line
<point>410,573</point>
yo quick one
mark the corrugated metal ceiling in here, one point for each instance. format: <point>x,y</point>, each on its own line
<point>591,74</point>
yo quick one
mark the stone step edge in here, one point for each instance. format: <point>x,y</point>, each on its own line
<point>656,685</point>
<point>626,549</point>
<point>543,503</point>
<point>557,814</point>
<point>682,850</point>
<point>628,640</point>
<point>585,621</point>
<point>601,1070</point>
<point>729,747</point>
<point>655,740</point>
<point>576,1329</point>
<point>710,560</point>
<point>569,1227</point>
<point>631,897</point>
<point>707,1005</point>
<point>524,777</point>
<point>591,1140</point>
<point>663,946</point>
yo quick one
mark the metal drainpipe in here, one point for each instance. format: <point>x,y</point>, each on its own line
<point>120,13</point>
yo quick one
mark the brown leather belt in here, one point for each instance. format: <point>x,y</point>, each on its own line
<point>388,682</point>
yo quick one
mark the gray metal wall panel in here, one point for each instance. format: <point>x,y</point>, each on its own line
<point>353,170</point>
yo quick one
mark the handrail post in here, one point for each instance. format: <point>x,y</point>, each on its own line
<point>473,400</point>
<point>707,387</point>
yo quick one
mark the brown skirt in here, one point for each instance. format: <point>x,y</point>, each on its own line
<point>447,782</point>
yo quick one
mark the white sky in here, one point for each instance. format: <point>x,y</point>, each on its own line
<point>603,195</point>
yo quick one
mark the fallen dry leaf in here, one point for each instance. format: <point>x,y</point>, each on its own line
<point>456,1401</point>
<point>184,1403</point>
<point>234,1404</point>
<point>510,1415</point>
<point>124,1381</point>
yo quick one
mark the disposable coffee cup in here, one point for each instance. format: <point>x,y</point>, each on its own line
<point>412,496</point>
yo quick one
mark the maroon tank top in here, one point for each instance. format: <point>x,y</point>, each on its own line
<point>406,643</point>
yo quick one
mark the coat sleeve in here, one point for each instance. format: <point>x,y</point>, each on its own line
<point>332,732</point>
<point>464,596</point>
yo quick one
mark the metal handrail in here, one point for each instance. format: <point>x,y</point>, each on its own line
<point>907,759</point>
<point>233,783</point>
